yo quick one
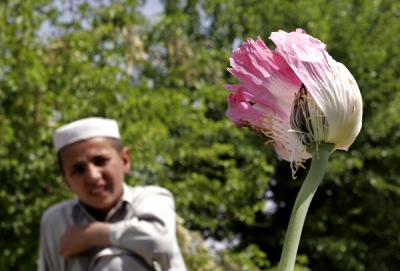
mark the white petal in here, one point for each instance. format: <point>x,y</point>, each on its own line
<point>343,108</point>
<point>287,143</point>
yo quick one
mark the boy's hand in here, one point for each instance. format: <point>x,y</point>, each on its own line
<point>77,239</point>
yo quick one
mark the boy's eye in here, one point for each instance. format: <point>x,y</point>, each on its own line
<point>100,160</point>
<point>78,169</point>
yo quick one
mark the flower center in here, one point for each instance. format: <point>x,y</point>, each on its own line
<point>307,119</point>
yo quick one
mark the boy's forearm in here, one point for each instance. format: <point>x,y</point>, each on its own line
<point>97,234</point>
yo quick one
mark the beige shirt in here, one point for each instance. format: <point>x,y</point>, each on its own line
<point>142,234</point>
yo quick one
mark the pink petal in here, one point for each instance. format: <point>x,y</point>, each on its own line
<point>308,59</point>
<point>244,111</point>
<point>264,98</point>
<point>265,74</point>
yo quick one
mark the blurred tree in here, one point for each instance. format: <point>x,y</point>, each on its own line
<point>163,80</point>
<point>345,227</point>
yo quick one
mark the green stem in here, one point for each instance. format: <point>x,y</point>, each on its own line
<point>314,177</point>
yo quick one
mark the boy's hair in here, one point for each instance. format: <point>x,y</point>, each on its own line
<point>116,143</point>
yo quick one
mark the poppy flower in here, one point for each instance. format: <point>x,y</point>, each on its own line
<point>296,96</point>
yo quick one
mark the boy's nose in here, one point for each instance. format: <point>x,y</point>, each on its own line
<point>93,174</point>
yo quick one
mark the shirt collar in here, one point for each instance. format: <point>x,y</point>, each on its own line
<point>126,198</point>
<point>124,202</point>
<point>127,194</point>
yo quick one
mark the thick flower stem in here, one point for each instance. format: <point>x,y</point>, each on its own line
<point>314,177</point>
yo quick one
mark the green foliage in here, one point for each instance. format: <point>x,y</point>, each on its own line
<point>163,80</point>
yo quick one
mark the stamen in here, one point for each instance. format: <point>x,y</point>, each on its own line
<point>307,119</point>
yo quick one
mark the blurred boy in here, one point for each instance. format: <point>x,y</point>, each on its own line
<point>110,226</point>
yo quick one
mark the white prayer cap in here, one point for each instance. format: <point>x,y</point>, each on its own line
<point>85,129</point>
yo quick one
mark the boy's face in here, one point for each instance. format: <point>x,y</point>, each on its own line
<point>94,170</point>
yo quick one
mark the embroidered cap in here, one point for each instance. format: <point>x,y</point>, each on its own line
<point>85,129</point>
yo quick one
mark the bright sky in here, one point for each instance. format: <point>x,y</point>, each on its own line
<point>152,8</point>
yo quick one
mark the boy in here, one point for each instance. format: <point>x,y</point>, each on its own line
<point>110,226</point>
